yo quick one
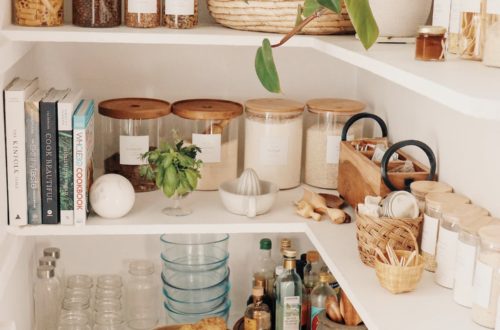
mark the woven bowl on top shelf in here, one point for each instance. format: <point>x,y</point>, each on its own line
<point>276,16</point>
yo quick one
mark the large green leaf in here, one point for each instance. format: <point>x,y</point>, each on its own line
<point>333,5</point>
<point>265,67</point>
<point>310,7</point>
<point>362,18</point>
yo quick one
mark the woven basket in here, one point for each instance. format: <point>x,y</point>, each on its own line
<point>378,232</point>
<point>274,16</point>
<point>399,279</point>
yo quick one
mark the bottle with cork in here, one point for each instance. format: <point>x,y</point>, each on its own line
<point>289,290</point>
<point>257,314</point>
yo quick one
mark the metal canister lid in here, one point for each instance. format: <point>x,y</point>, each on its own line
<point>52,252</point>
<point>49,261</point>
<point>45,271</point>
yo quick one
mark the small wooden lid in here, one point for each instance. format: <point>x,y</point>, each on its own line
<point>437,199</point>
<point>134,108</point>
<point>472,225</point>
<point>207,109</point>
<point>274,106</point>
<point>424,187</point>
<point>455,214</point>
<point>340,106</point>
<point>490,234</point>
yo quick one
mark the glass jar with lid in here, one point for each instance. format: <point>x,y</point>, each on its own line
<point>97,13</point>
<point>38,12</point>
<point>132,126</point>
<point>420,189</point>
<point>212,125</point>
<point>74,320</point>
<point>434,204</point>
<point>468,240</point>
<point>181,14</point>
<point>142,295</point>
<point>446,249</point>
<point>273,140</point>
<point>491,20</point>
<point>470,39</point>
<point>324,123</point>
<point>430,43</point>
<point>143,13</point>
<point>487,277</point>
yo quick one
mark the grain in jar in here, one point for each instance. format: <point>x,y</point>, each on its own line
<point>434,204</point>
<point>132,127</point>
<point>470,45</point>
<point>143,13</point>
<point>212,125</point>
<point>97,13</point>
<point>487,277</point>
<point>446,249</point>
<point>38,12</point>
<point>420,189</point>
<point>468,240</point>
<point>273,140</point>
<point>181,14</point>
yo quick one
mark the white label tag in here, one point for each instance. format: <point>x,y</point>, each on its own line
<point>429,234</point>
<point>332,149</point>
<point>441,13</point>
<point>455,17</point>
<point>493,7</point>
<point>274,150</point>
<point>142,6</point>
<point>131,149</point>
<point>446,254</point>
<point>291,313</point>
<point>470,6</point>
<point>210,145</point>
<point>464,273</point>
<point>483,277</point>
<point>179,7</point>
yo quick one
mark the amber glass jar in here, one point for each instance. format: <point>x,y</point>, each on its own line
<point>431,43</point>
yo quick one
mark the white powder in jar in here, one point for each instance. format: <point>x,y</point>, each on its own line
<point>491,55</point>
<point>213,174</point>
<point>486,288</point>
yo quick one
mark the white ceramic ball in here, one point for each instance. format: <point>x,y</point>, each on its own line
<point>112,196</point>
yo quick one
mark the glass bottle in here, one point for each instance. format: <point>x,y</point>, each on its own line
<point>55,253</point>
<point>50,261</point>
<point>109,321</point>
<point>142,298</point>
<point>46,296</point>
<point>260,282</point>
<point>288,295</point>
<point>320,297</point>
<point>265,265</point>
<point>285,244</point>
<point>312,270</point>
<point>257,314</point>
<point>74,321</point>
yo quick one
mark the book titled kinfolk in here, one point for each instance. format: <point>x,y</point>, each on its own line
<point>15,95</point>
<point>65,110</point>
<point>32,111</point>
<point>48,152</point>
<point>83,151</point>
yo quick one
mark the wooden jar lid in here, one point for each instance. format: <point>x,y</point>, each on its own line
<point>424,187</point>
<point>438,200</point>
<point>275,106</point>
<point>472,225</point>
<point>207,109</point>
<point>134,108</point>
<point>456,213</point>
<point>340,106</point>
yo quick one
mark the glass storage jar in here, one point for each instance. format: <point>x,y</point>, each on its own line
<point>212,125</point>
<point>132,127</point>
<point>487,277</point>
<point>109,321</point>
<point>181,14</point>
<point>143,13</point>
<point>454,26</point>
<point>142,295</point>
<point>468,241</point>
<point>97,13</point>
<point>324,123</point>
<point>470,43</point>
<point>420,189</point>
<point>431,43</point>
<point>446,249</point>
<point>74,321</point>
<point>491,19</point>
<point>434,203</point>
<point>273,140</point>
<point>38,12</point>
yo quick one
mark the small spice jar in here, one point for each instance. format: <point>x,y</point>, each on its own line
<point>446,250</point>
<point>132,127</point>
<point>420,189</point>
<point>486,277</point>
<point>468,240</point>
<point>181,14</point>
<point>38,12</point>
<point>434,204</point>
<point>97,13</point>
<point>273,140</point>
<point>143,13</point>
<point>324,121</point>
<point>212,125</point>
<point>430,43</point>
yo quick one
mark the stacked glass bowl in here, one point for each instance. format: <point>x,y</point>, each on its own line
<point>195,276</point>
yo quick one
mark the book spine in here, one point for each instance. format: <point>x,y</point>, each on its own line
<point>16,158</point>
<point>80,176</point>
<point>33,163</point>
<point>48,146</point>
<point>65,141</point>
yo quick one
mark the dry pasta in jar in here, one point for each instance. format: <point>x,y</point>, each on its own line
<point>38,12</point>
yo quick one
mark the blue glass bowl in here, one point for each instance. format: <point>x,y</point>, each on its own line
<point>178,317</point>
<point>199,294</point>
<point>190,307</point>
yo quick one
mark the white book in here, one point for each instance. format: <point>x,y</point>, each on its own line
<point>15,95</point>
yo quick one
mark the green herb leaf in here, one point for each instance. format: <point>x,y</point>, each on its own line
<point>171,178</point>
<point>192,178</point>
<point>333,5</point>
<point>143,170</point>
<point>298,18</point>
<point>265,67</point>
<point>363,21</point>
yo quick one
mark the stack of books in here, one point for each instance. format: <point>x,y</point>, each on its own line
<point>49,138</point>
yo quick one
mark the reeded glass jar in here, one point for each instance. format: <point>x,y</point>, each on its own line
<point>76,304</point>
<point>80,281</point>
<point>324,123</point>
<point>273,140</point>
<point>420,189</point>
<point>132,127</point>
<point>109,321</point>
<point>109,281</point>
<point>74,321</point>
<point>143,13</point>
<point>97,13</point>
<point>212,125</point>
<point>38,12</point>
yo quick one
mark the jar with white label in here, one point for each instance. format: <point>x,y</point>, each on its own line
<point>468,241</point>
<point>181,14</point>
<point>273,140</point>
<point>487,277</point>
<point>420,189</point>
<point>446,249</point>
<point>212,125</point>
<point>491,54</point>
<point>143,13</point>
<point>131,127</point>
<point>434,204</point>
<point>324,123</point>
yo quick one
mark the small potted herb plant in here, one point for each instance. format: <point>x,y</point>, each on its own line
<point>175,170</point>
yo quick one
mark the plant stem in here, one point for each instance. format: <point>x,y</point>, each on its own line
<point>299,27</point>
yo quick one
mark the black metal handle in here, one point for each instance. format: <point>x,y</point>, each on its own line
<point>396,146</point>
<point>356,117</point>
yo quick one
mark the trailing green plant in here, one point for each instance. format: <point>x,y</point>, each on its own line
<point>174,168</point>
<point>361,17</point>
